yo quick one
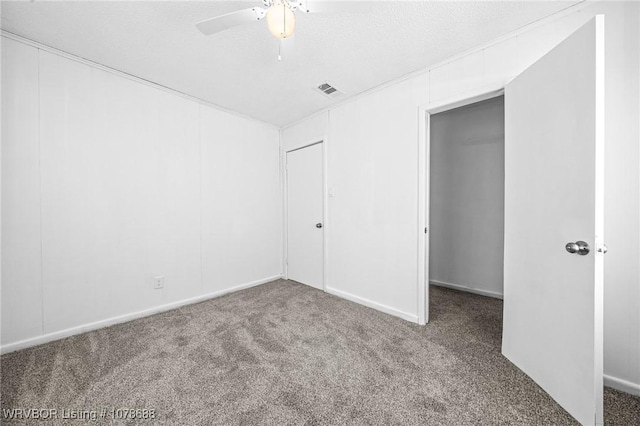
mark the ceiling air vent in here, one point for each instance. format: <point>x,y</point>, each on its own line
<point>329,91</point>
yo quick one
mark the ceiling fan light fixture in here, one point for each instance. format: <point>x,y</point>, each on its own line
<point>281,21</point>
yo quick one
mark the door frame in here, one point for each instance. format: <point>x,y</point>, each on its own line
<point>424,178</point>
<point>285,206</point>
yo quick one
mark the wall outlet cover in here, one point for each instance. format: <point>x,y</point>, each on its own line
<point>158,282</point>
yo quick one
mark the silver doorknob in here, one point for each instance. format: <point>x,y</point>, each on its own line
<point>318,225</point>
<point>579,247</point>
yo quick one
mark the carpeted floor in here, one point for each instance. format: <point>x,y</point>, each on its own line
<point>284,353</point>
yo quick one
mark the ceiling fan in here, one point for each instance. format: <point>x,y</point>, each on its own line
<point>280,16</point>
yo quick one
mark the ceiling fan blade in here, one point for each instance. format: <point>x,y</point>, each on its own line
<point>230,20</point>
<point>319,6</point>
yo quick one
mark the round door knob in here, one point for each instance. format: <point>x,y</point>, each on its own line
<point>318,225</point>
<point>579,247</point>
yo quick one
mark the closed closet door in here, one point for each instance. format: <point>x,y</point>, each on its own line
<point>305,227</point>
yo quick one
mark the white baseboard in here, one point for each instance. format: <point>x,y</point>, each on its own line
<point>34,341</point>
<point>371,304</point>
<point>622,385</point>
<point>487,293</point>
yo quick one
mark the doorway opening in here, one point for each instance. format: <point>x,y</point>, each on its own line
<point>461,197</point>
<point>466,187</point>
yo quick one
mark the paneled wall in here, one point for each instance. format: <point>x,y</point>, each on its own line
<point>372,149</point>
<point>21,233</point>
<point>372,169</point>
<point>108,182</point>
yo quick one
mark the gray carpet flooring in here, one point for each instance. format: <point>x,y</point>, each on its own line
<point>284,353</point>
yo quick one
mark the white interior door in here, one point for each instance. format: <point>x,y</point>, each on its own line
<point>305,228</point>
<point>554,146</point>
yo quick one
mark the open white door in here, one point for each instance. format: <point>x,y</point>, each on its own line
<point>305,236</point>
<point>554,148</point>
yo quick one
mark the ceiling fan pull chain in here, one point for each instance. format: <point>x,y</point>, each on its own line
<point>284,19</point>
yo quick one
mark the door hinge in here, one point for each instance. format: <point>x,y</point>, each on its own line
<point>425,230</point>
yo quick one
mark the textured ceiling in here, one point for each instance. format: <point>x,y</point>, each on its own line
<point>238,69</point>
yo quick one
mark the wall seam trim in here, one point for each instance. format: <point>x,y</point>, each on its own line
<point>40,195</point>
<point>200,196</point>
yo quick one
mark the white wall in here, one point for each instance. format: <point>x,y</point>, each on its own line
<point>108,182</point>
<point>375,177</point>
<point>466,218</point>
<point>241,215</point>
<point>372,168</point>
<point>21,262</point>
